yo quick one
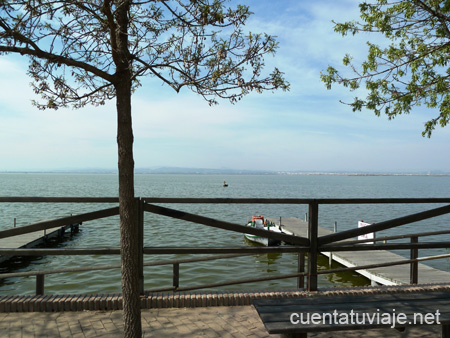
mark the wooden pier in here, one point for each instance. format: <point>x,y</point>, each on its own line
<point>33,239</point>
<point>391,275</point>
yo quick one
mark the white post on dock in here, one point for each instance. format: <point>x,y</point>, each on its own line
<point>307,228</point>
<point>331,254</point>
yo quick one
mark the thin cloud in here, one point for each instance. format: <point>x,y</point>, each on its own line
<point>303,129</point>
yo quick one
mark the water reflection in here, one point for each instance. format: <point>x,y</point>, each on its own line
<point>349,278</point>
<point>271,262</point>
<point>30,263</point>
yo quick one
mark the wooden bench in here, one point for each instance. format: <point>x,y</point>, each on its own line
<point>295,317</point>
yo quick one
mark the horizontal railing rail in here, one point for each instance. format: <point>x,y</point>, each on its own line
<point>185,216</point>
<point>118,266</point>
<point>382,265</point>
<point>152,251</point>
<point>48,224</point>
<point>219,250</point>
<point>187,200</point>
<point>312,245</point>
<point>176,287</point>
<point>27,199</point>
<point>41,273</point>
<point>384,225</point>
<point>389,238</point>
<point>176,200</point>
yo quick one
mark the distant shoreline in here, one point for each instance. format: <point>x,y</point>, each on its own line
<point>180,171</point>
<point>431,175</point>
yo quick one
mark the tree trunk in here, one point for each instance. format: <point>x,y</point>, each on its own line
<point>129,243</point>
<point>129,227</point>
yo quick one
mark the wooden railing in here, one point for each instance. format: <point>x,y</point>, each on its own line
<point>312,245</point>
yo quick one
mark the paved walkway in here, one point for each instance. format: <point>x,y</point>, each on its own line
<point>232,321</point>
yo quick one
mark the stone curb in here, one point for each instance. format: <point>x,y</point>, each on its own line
<point>109,302</point>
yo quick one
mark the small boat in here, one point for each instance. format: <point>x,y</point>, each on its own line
<point>259,222</point>
<point>225,184</point>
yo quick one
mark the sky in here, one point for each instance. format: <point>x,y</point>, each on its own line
<point>305,129</point>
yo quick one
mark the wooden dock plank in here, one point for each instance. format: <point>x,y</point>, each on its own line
<point>391,275</point>
<point>30,240</point>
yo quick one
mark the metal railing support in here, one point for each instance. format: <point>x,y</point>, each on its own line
<point>300,269</point>
<point>140,216</point>
<point>40,284</point>
<point>414,274</point>
<point>313,227</point>
<point>176,275</point>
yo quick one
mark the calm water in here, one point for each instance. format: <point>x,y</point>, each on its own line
<point>161,231</point>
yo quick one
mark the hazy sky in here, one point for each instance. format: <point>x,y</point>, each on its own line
<point>304,129</point>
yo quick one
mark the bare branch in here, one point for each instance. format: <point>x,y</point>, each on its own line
<point>58,59</point>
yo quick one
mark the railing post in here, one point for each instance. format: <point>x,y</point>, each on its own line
<point>300,269</point>
<point>176,275</point>
<point>140,216</point>
<point>39,284</point>
<point>313,226</point>
<point>414,272</point>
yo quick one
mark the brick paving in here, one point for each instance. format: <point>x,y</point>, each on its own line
<point>223,321</point>
<point>173,315</point>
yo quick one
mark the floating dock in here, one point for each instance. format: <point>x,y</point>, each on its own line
<point>391,275</point>
<point>34,239</point>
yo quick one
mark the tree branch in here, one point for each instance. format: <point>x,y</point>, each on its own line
<point>58,59</point>
<point>442,18</point>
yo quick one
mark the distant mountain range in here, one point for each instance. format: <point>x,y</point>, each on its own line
<point>201,171</point>
<point>155,170</point>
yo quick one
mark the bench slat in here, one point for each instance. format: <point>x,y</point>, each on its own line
<point>443,305</point>
<point>276,313</point>
<point>314,300</point>
<point>444,317</point>
<point>274,328</point>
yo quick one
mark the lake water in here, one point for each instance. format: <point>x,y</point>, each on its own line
<point>162,231</point>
